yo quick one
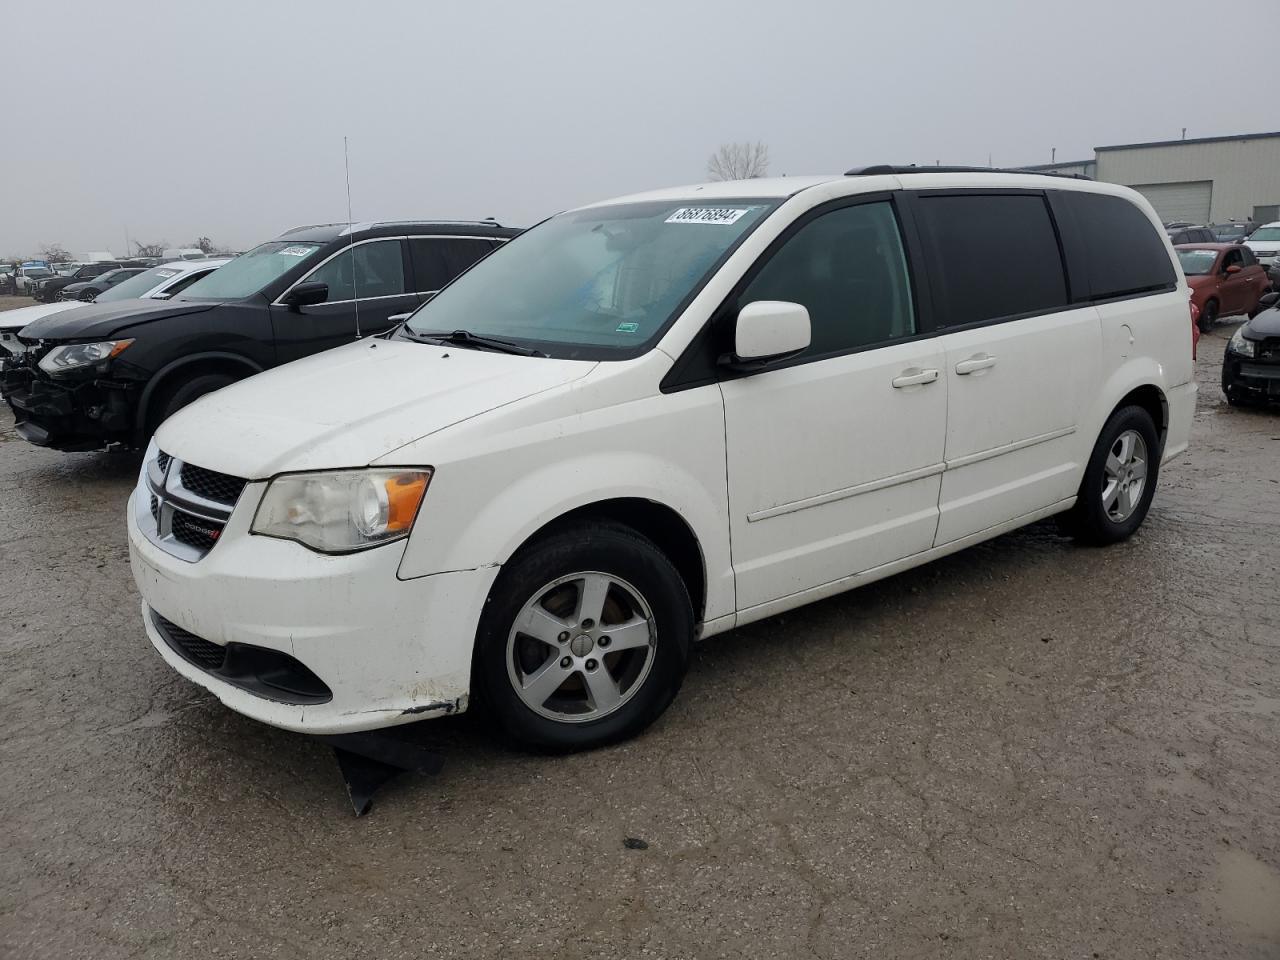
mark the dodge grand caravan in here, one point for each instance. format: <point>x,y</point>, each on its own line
<point>89,379</point>
<point>656,419</point>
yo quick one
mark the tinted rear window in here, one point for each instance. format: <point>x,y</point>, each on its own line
<point>993,256</point>
<point>1121,251</point>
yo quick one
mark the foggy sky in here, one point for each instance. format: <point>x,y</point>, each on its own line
<point>225,118</point>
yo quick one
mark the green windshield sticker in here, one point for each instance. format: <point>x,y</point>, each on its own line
<point>628,327</point>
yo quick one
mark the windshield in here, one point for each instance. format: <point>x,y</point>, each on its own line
<point>1229,231</point>
<point>250,272</point>
<point>37,273</point>
<point>1266,233</point>
<point>1196,263</point>
<point>594,283</point>
<point>137,286</point>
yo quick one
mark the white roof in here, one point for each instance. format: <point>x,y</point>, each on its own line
<point>765,188</point>
<point>776,188</point>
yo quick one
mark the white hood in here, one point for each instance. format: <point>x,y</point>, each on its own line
<point>351,405</point>
<point>12,321</point>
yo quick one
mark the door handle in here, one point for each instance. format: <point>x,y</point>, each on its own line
<point>914,379</point>
<point>982,361</point>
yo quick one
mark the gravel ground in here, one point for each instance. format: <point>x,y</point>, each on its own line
<point>1029,749</point>
<point>9,302</point>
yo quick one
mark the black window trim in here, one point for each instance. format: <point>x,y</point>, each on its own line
<point>702,348</point>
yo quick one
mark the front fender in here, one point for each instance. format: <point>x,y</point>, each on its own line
<point>667,449</point>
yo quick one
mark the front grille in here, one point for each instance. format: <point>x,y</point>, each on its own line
<point>197,650</point>
<point>211,484</point>
<point>1268,351</point>
<point>187,507</point>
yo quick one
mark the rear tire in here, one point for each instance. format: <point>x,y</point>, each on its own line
<point>1119,481</point>
<point>1208,316</point>
<point>584,639</point>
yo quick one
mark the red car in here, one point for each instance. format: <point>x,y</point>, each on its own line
<point>1225,279</point>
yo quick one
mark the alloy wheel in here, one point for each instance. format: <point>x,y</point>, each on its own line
<point>1124,476</point>
<point>581,647</point>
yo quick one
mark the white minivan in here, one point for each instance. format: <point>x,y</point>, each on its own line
<point>655,419</point>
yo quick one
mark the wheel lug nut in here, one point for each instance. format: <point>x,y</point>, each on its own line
<point>588,624</point>
<point>566,662</point>
<point>604,641</point>
<point>564,637</point>
<point>591,664</point>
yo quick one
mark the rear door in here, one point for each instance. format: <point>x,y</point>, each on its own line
<point>835,457</point>
<point>369,282</point>
<point>1020,362</point>
<point>1236,288</point>
<point>437,260</point>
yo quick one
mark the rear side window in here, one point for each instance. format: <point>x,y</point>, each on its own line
<point>1121,252</point>
<point>364,271</point>
<point>994,257</point>
<point>437,260</point>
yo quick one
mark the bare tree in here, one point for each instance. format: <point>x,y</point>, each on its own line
<point>204,244</point>
<point>150,249</point>
<point>54,253</point>
<point>739,161</point>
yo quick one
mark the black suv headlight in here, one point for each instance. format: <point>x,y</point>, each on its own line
<point>69,356</point>
<point>1241,345</point>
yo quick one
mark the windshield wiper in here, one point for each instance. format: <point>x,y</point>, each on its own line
<point>465,338</point>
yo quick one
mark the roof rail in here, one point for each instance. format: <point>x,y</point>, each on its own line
<point>368,224</point>
<point>882,169</point>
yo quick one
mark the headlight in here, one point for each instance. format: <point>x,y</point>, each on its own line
<point>1241,345</point>
<point>342,511</point>
<point>72,355</point>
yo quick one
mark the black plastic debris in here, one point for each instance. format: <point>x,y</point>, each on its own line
<point>635,843</point>
<point>368,760</point>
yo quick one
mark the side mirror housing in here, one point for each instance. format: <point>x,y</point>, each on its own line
<point>1267,301</point>
<point>767,331</point>
<point>398,318</point>
<point>307,294</point>
<point>1234,268</point>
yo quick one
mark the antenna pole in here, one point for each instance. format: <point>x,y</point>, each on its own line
<point>355,290</point>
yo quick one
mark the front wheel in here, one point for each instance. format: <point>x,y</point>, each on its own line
<point>1119,481</point>
<point>584,640</point>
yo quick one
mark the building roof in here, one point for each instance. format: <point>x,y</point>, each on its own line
<point>1180,143</point>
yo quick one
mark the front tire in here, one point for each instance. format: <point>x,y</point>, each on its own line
<point>584,639</point>
<point>1119,481</point>
<point>186,393</point>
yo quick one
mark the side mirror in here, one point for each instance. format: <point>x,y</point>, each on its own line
<point>1234,268</point>
<point>1267,301</point>
<point>767,331</point>
<point>307,294</point>
<point>398,318</point>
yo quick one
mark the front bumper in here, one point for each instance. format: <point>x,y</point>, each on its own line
<point>388,651</point>
<point>72,414</point>
<point>1256,378</point>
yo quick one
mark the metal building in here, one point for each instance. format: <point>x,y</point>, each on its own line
<point>1206,180</point>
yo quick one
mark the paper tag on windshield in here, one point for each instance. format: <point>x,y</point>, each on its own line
<point>718,215</point>
<point>296,251</point>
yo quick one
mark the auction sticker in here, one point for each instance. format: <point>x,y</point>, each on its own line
<point>717,215</point>
<point>296,251</point>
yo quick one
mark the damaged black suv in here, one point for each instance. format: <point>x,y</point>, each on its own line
<point>111,373</point>
<point>1251,365</point>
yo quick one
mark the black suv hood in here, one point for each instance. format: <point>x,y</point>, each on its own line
<point>1265,324</point>
<point>96,320</point>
